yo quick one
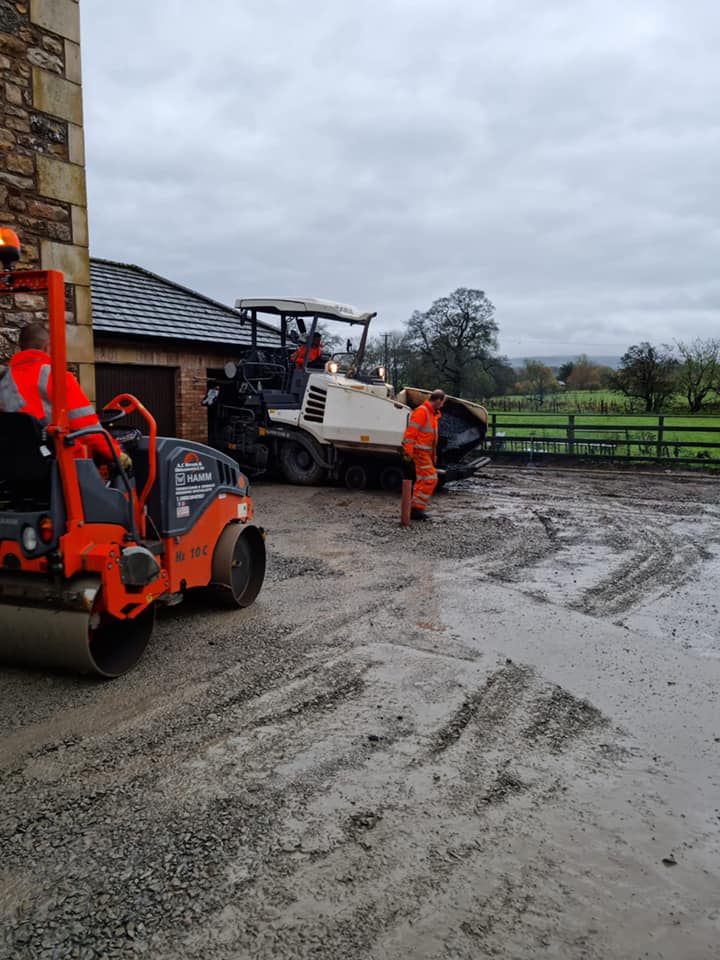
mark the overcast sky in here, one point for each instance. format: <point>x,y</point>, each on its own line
<point>562,155</point>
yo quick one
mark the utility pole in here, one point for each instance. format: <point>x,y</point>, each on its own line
<point>387,365</point>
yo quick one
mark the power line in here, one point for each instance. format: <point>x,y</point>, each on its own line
<point>565,343</point>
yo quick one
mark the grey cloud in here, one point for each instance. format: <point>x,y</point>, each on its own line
<point>562,156</point>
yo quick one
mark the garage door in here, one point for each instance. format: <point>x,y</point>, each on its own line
<point>154,386</point>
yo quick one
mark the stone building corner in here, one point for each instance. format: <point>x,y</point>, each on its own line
<point>42,164</point>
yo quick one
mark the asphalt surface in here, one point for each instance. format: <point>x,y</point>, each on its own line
<point>492,734</point>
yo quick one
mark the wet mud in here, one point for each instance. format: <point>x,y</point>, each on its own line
<point>493,734</point>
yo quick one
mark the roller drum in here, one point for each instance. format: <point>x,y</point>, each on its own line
<point>238,567</point>
<point>65,628</point>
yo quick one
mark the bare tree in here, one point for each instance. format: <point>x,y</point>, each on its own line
<point>537,379</point>
<point>391,351</point>
<point>584,375</point>
<point>456,334</point>
<point>699,371</point>
<point>649,373</point>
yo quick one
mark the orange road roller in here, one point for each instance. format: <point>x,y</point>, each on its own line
<point>87,552</point>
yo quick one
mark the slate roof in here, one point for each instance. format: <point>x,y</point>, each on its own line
<point>132,301</point>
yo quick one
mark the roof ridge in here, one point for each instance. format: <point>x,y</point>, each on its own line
<point>179,286</point>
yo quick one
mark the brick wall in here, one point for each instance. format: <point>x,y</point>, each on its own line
<point>42,164</point>
<point>192,362</point>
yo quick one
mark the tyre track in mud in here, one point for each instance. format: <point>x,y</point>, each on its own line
<point>650,560</point>
<point>333,773</point>
<point>361,874</point>
<point>188,833</point>
<point>644,551</point>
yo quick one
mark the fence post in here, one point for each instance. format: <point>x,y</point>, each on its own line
<point>571,434</point>
<point>493,431</point>
<point>658,450</point>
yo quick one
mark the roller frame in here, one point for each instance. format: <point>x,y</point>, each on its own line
<point>49,610</point>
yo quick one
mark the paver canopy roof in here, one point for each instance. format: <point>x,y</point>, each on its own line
<point>307,306</point>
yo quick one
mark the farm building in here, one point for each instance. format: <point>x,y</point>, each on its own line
<point>161,341</point>
<point>42,166</point>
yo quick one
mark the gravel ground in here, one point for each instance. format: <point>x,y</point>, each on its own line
<point>495,734</point>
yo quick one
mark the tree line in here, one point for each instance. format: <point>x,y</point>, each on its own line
<point>453,344</point>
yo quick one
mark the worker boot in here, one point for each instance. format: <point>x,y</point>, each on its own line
<point>416,514</point>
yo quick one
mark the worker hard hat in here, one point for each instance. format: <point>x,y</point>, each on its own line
<point>9,247</point>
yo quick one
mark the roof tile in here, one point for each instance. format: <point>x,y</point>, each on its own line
<point>130,300</point>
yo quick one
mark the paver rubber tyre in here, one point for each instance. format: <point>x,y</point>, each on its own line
<point>356,477</point>
<point>391,479</point>
<point>298,465</point>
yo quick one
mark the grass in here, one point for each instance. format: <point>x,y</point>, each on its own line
<point>633,435</point>
<point>591,401</point>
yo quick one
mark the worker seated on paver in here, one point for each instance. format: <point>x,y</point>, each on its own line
<point>314,357</point>
<point>26,387</point>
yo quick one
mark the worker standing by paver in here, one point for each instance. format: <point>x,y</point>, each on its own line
<point>420,447</point>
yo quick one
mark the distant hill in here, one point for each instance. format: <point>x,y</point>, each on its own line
<point>556,362</point>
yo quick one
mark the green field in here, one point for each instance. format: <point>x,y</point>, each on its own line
<point>591,402</point>
<point>637,435</point>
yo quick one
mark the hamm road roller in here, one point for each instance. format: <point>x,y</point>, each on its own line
<point>88,552</point>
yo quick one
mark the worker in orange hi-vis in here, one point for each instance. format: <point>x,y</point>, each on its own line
<point>420,451</point>
<point>315,351</point>
<point>26,387</point>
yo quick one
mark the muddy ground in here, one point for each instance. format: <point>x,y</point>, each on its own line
<point>496,734</point>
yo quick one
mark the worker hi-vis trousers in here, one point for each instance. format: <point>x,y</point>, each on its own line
<point>426,479</point>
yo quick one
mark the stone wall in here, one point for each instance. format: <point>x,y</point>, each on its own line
<point>42,164</point>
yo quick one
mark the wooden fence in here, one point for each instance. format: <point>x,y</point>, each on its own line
<point>561,404</point>
<point>655,441</point>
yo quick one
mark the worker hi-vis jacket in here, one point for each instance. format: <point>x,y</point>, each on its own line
<point>26,387</point>
<point>420,442</point>
<point>299,355</point>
